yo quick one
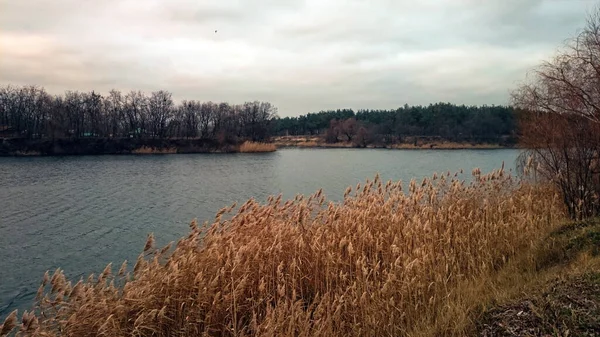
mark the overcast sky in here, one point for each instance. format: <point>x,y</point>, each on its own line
<point>301,55</point>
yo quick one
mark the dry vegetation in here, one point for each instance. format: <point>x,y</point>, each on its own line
<point>319,142</point>
<point>254,147</point>
<point>560,121</point>
<point>446,145</point>
<point>553,292</point>
<point>385,261</point>
<point>154,150</point>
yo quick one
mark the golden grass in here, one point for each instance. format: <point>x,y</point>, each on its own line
<point>254,147</point>
<point>386,261</point>
<point>559,254</point>
<point>310,143</point>
<point>154,150</point>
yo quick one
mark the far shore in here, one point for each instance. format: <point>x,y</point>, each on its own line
<point>91,146</point>
<point>19,147</point>
<point>315,142</point>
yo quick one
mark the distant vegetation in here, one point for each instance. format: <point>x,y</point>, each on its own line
<point>441,121</point>
<point>388,260</point>
<point>561,126</point>
<point>31,113</point>
<point>253,147</point>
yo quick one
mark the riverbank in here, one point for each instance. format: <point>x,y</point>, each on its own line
<point>419,144</point>
<point>102,146</point>
<point>553,292</point>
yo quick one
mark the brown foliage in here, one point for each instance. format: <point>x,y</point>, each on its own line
<point>362,137</point>
<point>154,150</point>
<point>356,133</point>
<point>350,128</point>
<point>332,135</point>
<point>253,147</point>
<point>560,124</point>
<point>564,149</point>
<point>569,83</point>
<point>382,262</point>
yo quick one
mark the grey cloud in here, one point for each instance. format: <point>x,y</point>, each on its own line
<point>525,22</point>
<point>211,11</point>
<point>303,55</point>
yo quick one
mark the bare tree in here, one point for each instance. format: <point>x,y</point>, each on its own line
<point>74,113</point>
<point>135,112</point>
<point>206,111</point>
<point>560,122</point>
<point>350,128</point>
<point>33,113</point>
<point>186,114</point>
<point>160,111</point>
<point>94,118</point>
<point>218,121</point>
<point>362,137</point>
<point>114,105</point>
<point>333,132</point>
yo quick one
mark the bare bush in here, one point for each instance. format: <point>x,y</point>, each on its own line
<point>560,122</point>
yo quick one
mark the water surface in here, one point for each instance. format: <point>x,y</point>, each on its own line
<point>80,213</point>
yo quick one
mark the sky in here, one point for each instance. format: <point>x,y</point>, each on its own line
<point>301,55</point>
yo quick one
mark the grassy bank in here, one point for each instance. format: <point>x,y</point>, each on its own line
<point>319,142</point>
<point>554,290</point>
<point>388,260</point>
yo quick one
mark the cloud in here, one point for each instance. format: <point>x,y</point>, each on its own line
<point>302,55</point>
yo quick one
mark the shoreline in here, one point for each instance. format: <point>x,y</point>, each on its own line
<point>18,147</point>
<point>398,146</point>
<point>409,143</point>
<point>94,146</point>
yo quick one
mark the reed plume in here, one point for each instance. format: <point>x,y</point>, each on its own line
<point>383,261</point>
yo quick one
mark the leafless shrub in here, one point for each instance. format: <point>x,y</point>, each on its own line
<point>560,121</point>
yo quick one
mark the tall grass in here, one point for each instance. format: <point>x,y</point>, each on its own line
<point>384,261</point>
<point>154,150</point>
<point>252,147</point>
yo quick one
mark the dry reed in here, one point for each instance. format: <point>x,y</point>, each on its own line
<point>154,150</point>
<point>382,262</point>
<point>254,147</point>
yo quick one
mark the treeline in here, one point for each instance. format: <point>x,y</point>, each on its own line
<point>443,120</point>
<point>30,112</point>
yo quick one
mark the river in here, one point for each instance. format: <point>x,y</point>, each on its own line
<point>80,213</point>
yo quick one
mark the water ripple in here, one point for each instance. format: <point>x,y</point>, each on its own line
<point>80,213</point>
